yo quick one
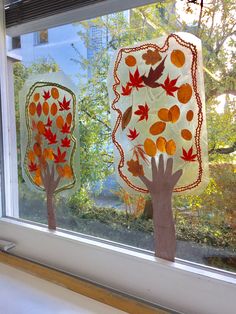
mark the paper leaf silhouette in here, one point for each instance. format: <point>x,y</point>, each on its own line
<point>154,75</point>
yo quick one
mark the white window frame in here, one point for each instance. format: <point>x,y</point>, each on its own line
<point>183,287</point>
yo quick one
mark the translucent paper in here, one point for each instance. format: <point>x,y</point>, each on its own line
<point>156,91</point>
<point>49,132</point>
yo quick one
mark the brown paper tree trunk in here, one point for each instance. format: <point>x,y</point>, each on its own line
<point>50,184</point>
<point>161,189</point>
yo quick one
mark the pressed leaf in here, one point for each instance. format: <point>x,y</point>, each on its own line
<point>39,109</point>
<point>31,156</point>
<point>150,147</point>
<point>60,171</point>
<point>164,114</point>
<point>188,155</point>
<point>41,127</point>
<point>36,97</point>
<point>177,57</point>
<point>38,180</point>
<point>171,147</point>
<point>154,75</point>
<point>59,122</point>
<point>189,115</point>
<point>151,57</point>
<point>69,118</point>
<point>68,172</point>
<point>186,134</point>
<point>174,113</point>
<point>54,109</point>
<point>126,117</point>
<point>135,168</point>
<point>130,60</point>
<point>184,93</point>
<point>157,128</point>
<point>142,112</point>
<point>45,108</point>
<point>161,144</point>
<point>32,108</point>
<point>55,93</point>
<point>37,149</point>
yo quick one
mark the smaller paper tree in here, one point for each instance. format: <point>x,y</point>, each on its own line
<point>51,146</point>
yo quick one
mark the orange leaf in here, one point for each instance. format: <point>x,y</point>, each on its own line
<point>177,57</point>
<point>189,115</point>
<point>60,122</point>
<point>135,168</point>
<point>164,114</point>
<point>55,93</point>
<point>69,118</point>
<point>151,57</point>
<point>54,109</point>
<point>157,128</point>
<point>31,156</point>
<point>126,117</point>
<point>186,134</point>
<point>36,97</point>
<point>45,108</point>
<point>161,144</point>
<point>68,172</point>
<point>41,127</point>
<point>175,113</point>
<point>32,108</point>
<point>60,171</point>
<point>130,60</point>
<point>184,93</point>
<point>150,147</point>
<point>170,147</point>
<point>37,149</point>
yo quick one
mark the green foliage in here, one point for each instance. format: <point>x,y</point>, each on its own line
<point>81,200</point>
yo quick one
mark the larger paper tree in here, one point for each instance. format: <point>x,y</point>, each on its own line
<point>49,154</point>
<point>157,101</point>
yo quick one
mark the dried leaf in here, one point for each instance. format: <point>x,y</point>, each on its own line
<point>189,115</point>
<point>186,134</point>
<point>184,93</point>
<point>135,168</point>
<point>171,147</point>
<point>150,147</point>
<point>126,117</point>
<point>130,61</point>
<point>32,108</point>
<point>55,93</point>
<point>154,75</point>
<point>157,128</point>
<point>177,57</point>
<point>164,114</point>
<point>174,113</point>
<point>45,108</point>
<point>161,144</point>
<point>59,122</point>
<point>54,109</point>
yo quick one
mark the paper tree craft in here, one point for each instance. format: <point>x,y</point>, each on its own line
<point>49,147</point>
<point>156,91</point>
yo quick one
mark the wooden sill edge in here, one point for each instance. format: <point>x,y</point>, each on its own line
<point>81,286</point>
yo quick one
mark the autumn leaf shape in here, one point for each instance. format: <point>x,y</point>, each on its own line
<point>142,112</point>
<point>49,123</point>
<point>126,91</point>
<point>133,134</point>
<point>65,142</point>
<point>151,57</point>
<point>188,156</point>
<point>126,117</point>
<point>135,168</point>
<point>65,128</point>
<point>64,105</point>
<point>46,95</point>
<point>135,80</point>
<point>138,151</point>
<point>169,86</point>
<point>32,167</point>
<point>154,75</point>
<point>59,157</point>
<point>52,138</point>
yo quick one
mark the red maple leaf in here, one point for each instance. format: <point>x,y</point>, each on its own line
<point>133,134</point>
<point>65,142</point>
<point>169,86</point>
<point>126,91</point>
<point>64,105</point>
<point>52,138</point>
<point>32,167</point>
<point>65,128</point>
<point>46,95</point>
<point>188,156</point>
<point>49,123</point>
<point>135,80</point>
<point>142,112</point>
<point>59,157</point>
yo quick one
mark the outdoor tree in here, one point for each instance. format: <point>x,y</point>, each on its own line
<point>49,161</point>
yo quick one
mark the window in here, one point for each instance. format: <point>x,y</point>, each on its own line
<point>16,42</point>
<point>41,37</point>
<point>99,208</point>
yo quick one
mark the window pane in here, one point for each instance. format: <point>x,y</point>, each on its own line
<point>205,223</point>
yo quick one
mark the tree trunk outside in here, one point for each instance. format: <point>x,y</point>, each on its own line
<point>51,212</point>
